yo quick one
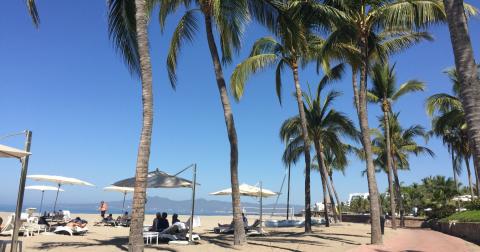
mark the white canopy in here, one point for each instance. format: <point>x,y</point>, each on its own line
<point>59,180</point>
<point>9,152</point>
<point>463,198</point>
<point>43,188</point>
<point>248,190</point>
<point>118,189</point>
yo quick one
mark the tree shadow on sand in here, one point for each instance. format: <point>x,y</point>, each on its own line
<point>121,243</point>
<point>275,239</point>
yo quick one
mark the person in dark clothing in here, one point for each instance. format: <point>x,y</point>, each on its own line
<point>175,219</point>
<point>160,223</point>
<point>163,223</point>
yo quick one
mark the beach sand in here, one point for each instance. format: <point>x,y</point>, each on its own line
<point>340,237</point>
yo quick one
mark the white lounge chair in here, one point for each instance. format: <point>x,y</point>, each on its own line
<point>7,229</point>
<point>70,231</point>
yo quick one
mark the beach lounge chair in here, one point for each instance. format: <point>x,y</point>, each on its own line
<point>228,229</point>
<point>7,229</point>
<point>70,231</point>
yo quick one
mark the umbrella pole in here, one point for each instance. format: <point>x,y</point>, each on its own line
<point>123,205</point>
<point>21,191</point>
<point>41,203</point>
<point>288,192</point>
<point>55,205</point>
<point>190,238</point>
<point>261,207</point>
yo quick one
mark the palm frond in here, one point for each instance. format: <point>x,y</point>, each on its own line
<point>248,67</point>
<point>184,32</point>
<point>32,10</point>
<point>408,87</point>
<point>122,32</point>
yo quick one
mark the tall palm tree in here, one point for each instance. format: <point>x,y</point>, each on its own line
<point>228,18</point>
<point>127,26</point>
<point>403,144</point>
<point>449,122</point>
<point>468,75</point>
<point>384,92</point>
<point>326,126</point>
<point>295,47</point>
<point>361,29</point>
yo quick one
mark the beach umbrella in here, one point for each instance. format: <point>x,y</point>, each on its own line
<point>42,188</point>
<point>159,179</point>
<point>251,191</point>
<point>123,190</point>
<point>10,152</point>
<point>59,180</point>
<point>23,156</point>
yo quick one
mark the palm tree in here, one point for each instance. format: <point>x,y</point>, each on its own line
<point>127,25</point>
<point>467,73</point>
<point>359,33</point>
<point>384,93</point>
<point>296,46</point>
<point>325,128</point>
<point>449,122</point>
<point>229,18</point>
<point>403,144</point>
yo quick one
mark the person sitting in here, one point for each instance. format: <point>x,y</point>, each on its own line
<point>109,218</point>
<point>77,222</point>
<point>160,222</point>
<point>175,219</point>
<point>244,219</point>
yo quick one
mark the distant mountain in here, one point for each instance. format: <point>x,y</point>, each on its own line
<point>161,204</point>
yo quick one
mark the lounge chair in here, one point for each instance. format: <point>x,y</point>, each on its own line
<point>70,231</point>
<point>228,229</point>
<point>7,229</point>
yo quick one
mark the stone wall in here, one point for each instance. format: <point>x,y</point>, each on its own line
<point>410,222</point>
<point>467,231</point>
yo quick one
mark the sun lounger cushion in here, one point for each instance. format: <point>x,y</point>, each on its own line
<point>70,231</point>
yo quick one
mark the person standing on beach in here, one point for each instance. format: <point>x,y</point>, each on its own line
<point>103,208</point>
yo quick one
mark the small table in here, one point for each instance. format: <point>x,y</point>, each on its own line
<point>149,235</point>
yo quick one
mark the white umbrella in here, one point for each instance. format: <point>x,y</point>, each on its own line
<point>9,152</point>
<point>42,188</point>
<point>252,191</point>
<point>123,190</point>
<point>59,180</point>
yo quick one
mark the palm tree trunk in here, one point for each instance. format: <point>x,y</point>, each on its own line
<point>239,231</point>
<point>466,69</point>
<point>398,192</point>
<point>477,175</point>
<point>321,164</point>
<point>303,119</point>
<point>355,88</point>
<point>469,174</point>
<point>324,170</point>
<point>389,166</point>
<point>135,241</point>
<point>455,178</point>
<point>376,234</point>
<point>336,198</point>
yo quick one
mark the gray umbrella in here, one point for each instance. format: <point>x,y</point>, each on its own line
<point>157,179</point>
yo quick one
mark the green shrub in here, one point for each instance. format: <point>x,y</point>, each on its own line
<point>441,212</point>
<point>465,216</point>
<point>473,205</point>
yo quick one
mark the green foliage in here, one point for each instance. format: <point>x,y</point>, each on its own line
<point>465,216</point>
<point>473,205</point>
<point>359,205</point>
<point>441,212</point>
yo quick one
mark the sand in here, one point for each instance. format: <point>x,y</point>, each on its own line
<point>340,237</point>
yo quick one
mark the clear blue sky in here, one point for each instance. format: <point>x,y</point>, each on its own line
<point>65,83</point>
